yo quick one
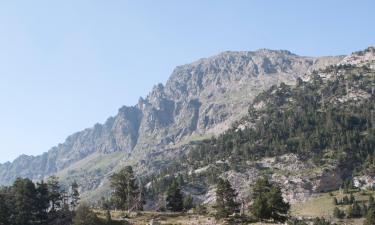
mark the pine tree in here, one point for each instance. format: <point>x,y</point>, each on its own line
<point>345,200</point>
<point>334,201</point>
<point>25,202</point>
<point>4,208</point>
<point>278,207</point>
<point>356,210</point>
<point>260,208</point>
<point>370,217</point>
<point>371,202</point>
<point>54,191</point>
<point>174,197</point>
<point>188,202</point>
<point>108,217</point>
<point>225,199</point>
<point>43,202</point>
<point>351,198</point>
<point>74,195</point>
<point>125,188</point>
<point>268,202</point>
<point>349,212</point>
<point>337,213</point>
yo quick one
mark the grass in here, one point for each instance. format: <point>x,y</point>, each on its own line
<point>322,206</point>
<point>319,206</point>
<point>143,218</point>
<point>95,161</point>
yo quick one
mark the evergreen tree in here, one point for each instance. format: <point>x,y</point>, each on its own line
<point>43,203</point>
<point>74,195</point>
<point>260,209</point>
<point>356,210</point>
<point>4,208</point>
<point>25,202</point>
<point>351,198</point>
<point>337,213</point>
<point>108,217</point>
<point>188,202</point>
<point>174,198</point>
<point>334,201</point>
<point>268,202</point>
<point>278,207</point>
<point>370,217</point>
<point>349,212</point>
<point>54,191</point>
<point>345,200</point>
<point>225,199</point>
<point>371,202</point>
<point>125,188</point>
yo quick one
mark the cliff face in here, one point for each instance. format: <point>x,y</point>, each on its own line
<point>199,99</point>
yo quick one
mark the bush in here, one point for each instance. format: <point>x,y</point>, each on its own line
<point>84,216</point>
<point>200,210</point>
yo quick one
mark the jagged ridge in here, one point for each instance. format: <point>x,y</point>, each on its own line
<point>200,98</point>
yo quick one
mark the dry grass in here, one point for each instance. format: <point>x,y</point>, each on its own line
<point>143,218</point>
<point>322,206</point>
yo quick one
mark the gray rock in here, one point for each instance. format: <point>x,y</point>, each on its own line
<point>199,99</point>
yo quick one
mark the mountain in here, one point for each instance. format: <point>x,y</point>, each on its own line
<point>199,100</point>
<point>309,138</point>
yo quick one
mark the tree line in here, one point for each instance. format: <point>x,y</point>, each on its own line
<point>43,203</point>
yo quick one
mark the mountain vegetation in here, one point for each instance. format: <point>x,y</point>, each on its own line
<point>312,133</point>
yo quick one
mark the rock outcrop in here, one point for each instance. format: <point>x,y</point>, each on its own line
<point>200,99</point>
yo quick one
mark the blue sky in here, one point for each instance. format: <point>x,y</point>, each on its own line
<point>65,65</point>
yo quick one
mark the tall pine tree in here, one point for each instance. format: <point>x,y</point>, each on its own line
<point>268,202</point>
<point>225,199</point>
<point>125,188</point>
<point>174,197</point>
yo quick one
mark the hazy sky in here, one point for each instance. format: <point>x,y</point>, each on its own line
<point>65,65</point>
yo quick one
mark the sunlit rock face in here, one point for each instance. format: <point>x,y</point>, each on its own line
<point>200,99</point>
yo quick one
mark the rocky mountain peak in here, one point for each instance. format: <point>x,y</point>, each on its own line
<point>365,57</point>
<point>200,99</point>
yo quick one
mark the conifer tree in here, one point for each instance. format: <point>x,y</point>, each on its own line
<point>268,202</point>
<point>43,202</point>
<point>334,201</point>
<point>74,195</point>
<point>125,188</point>
<point>188,202</point>
<point>54,191</point>
<point>371,202</point>
<point>174,200</point>
<point>4,208</point>
<point>370,217</point>
<point>24,202</point>
<point>225,199</point>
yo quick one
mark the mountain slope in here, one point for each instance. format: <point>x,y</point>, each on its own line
<point>309,137</point>
<point>199,99</point>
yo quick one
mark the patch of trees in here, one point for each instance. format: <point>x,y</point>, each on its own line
<point>127,192</point>
<point>301,120</point>
<point>267,201</point>
<point>355,209</point>
<point>344,200</point>
<point>44,203</point>
<point>316,221</point>
<point>226,203</point>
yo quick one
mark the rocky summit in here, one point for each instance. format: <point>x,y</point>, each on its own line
<point>200,100</point>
